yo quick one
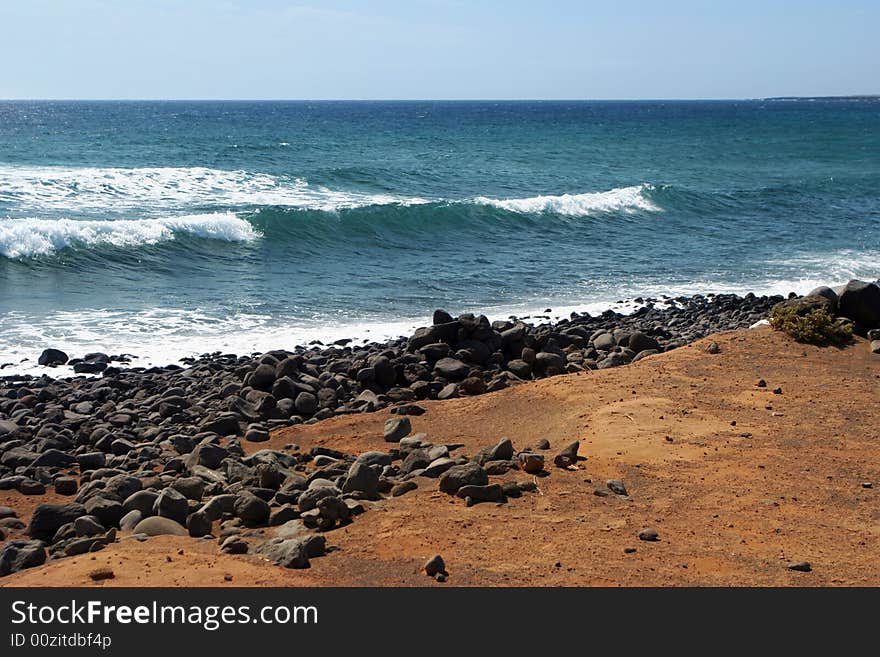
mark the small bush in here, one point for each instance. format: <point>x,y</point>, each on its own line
<point>816,326</point>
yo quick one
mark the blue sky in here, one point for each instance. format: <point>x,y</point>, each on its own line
<point>437,49</point>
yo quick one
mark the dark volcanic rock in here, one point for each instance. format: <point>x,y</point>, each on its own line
<point>293,552</point>
<point>251,509</point>
<point>568,456</point>
<point>52,357</point>
<point>860,302</point>
<point>362,479</point>
<point>396,428</point>
<point>468,474</point>
<point>48,518</point>
<point>171,504</point>
<point>21,554</point>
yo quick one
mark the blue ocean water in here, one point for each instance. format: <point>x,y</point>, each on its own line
<point>165,229</point>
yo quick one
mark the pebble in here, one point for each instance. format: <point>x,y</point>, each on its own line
<point>616,486</point>
<point>100,574</point>
<point>801,566</point>
<point>649,535</point>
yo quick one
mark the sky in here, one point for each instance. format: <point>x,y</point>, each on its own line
<point>437,49</point>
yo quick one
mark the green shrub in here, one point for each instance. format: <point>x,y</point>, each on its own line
<point>816,326</point>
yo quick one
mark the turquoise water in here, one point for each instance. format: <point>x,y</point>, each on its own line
<point>170,228</point>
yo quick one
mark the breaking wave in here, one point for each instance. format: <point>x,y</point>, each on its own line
<point>21,238</point>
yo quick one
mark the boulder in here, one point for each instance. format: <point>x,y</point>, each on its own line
<point>251,509</point>
<point>171,504</point>
<point>48,518</point>
<point>397,428</point>
<point>293,552</point>
<point>159,526</point>
<point>451,369</point>
<point>860,302</point>
<point>51,357</point>
<point>362,479</point>
<point>467,474</point>
<point>20,554</point>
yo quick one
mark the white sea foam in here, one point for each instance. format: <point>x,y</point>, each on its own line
<point>621,199</point>
<point>21,238</point>
<point>92,189</point>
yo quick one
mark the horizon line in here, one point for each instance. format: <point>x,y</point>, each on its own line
<point>435,100</point>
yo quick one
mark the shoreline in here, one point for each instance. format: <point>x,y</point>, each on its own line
<point>234,448</point>
<point>387,334</point>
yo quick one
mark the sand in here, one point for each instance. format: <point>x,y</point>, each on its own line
<point>738,481</point>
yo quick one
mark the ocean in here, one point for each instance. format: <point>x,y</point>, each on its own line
<point>170,229</point>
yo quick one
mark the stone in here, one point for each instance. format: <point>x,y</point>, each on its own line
<point>159,526</point>
<point>282,515</point>
<point>638,341</point>
<point>218,505</point>
<point>417,459</point>
<point>293,552</point>
<point>198,524</point>
<point>251,509</point>
<point>374,458</point>
<point>332,508</point>
<point>262,377</point>
<point>66,486</point>
<point>435,566</point>
<point>472,385</point>
<point>502,451</point>
<point>171,504</point>
<point>51,357</point>
<point>801,566</point>
<point>487,493</point>
<point>108,511</point>
<point>306,403</point>
<point>310,498</point>
<point>130,520</point>
<point>438,467</point>
<point>520,368</point>
<point>451,369</point>
<point>48,518</point>
<point>31,487</point>
<point>616,486</point>
<point>449,391</point>
<point>531,463</point>
<point>191,488</point>
<point>234,545</point>
<point>568,456</point>
<point>713,348</point>
<point>396,428</point>
<point>8,430</point>
<point>256,435</point>
<point>548,364</point>
<point>363,479</point>
<point>409,409</point>
<point>860,302</point>
<point>21,554</point>
<point>100,574</point>
<point>88,526</point>
<point>467,474</point>
<point>142,500</point>
<point>403,488</point>
<point>875,346</point>
<point>649,535</point>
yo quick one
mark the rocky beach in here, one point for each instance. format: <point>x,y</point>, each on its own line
<point>287,456</point>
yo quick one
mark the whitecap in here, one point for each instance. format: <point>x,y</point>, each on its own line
<point>20,238</point>
<point>621,199</point>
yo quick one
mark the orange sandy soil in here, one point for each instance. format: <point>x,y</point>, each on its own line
<point>731,510</point>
